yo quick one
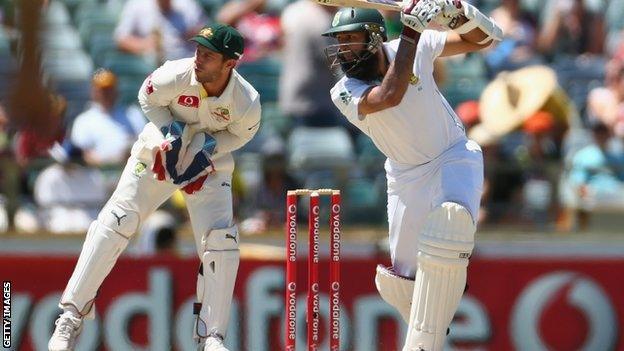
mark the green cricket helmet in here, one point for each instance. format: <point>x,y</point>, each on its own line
<point>358,63</point>
<point>353,19</point>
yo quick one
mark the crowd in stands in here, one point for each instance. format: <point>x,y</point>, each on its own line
<point>546,104</point>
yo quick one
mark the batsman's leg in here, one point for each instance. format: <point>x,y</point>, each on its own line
<point>444,247</point>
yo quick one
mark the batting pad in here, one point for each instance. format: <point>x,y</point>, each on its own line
<point>444,248</point>
<point>397,291</point>
<point>219,267</point>
<point>99,253</point>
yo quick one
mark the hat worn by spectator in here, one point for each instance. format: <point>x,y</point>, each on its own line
<point>221,38</point>
<point>510,99</point>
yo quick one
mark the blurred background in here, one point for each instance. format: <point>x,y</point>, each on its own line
<point>546,104</point>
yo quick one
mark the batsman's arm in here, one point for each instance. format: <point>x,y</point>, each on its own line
<point>239,132</point>
<point>472,29</point>
<point>155,96</point>
<point>396,80</point>
<point>394,84</point>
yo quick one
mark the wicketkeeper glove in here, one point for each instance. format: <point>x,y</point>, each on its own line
<point>167,155</point>
<point>196,165</point>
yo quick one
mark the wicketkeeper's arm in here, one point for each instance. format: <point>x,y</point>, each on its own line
<point>154,98</point>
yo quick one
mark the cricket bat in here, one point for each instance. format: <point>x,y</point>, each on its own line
<point>388,5</point>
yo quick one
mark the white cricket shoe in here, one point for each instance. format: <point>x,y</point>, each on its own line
<point>212,343</point>
<point>68,327</point>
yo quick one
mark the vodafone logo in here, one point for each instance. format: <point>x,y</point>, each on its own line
<point>590,324</point>
<point>188,101</point>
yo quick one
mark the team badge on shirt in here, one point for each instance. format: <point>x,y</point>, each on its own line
<point>188,101</point>
<point>414,79</point>
<point>139,169</point>
<point>346,97</point>
<point>222,114</point>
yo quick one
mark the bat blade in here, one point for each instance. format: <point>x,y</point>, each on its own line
<point>388,5</point>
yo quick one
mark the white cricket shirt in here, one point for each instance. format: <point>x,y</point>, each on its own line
<point>423,125</point>
<point>173,93</point>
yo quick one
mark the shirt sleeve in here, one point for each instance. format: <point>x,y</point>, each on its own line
<point>346,95</point>
<point>432,43</point>
<point>155,95</point>
<point>239,132</point>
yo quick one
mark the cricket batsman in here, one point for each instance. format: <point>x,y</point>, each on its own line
<point>200,110</point>
<point>434,173</point>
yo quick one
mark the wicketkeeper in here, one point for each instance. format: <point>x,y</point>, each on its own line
<point>200,110</point>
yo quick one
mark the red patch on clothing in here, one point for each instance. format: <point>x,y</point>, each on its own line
<point>149,87</point>
<point>188,101</point>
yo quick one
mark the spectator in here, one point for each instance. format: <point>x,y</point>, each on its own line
<point>517,47</point>
<point>569,28</point>
<point>606,104</point>
<point>595,180</point>
<point>259,23</point>
<point>305,79</point>
<point>67,193</point>
<point>32,142</point>
<point>106,130</point>
<point>269,201</point>
<point>159,29</point>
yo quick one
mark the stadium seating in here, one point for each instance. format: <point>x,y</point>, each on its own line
<point>320,149</point>
<point>263,75</point>
<point>466,79</point>
<point>578,76</point>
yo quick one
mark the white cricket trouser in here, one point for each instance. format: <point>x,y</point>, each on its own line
<point>413,191</point>
<point>208,209</point>
<point>137,195</point>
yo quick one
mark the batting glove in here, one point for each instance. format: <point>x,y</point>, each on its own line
<point>418,16</point>
<point>167,155</point>
<point>451,9</point>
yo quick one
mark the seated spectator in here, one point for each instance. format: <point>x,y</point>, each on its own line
<point>259,23</point>
<point>606,104</point>
<point>32,142</point>
<point>568,27</point>
<point>517,47</point>
<point>159,29</point>
<point>106,130</point>
<point>68,194</point>
<point>269,201</point>
<point>595,180</point>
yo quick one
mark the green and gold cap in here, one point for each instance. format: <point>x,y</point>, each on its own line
<point>221,38</point>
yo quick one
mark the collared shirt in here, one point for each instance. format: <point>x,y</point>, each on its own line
<point>423,125</point>
<point>143,18</point>
<point>107,135</point>
<point>173,93</point>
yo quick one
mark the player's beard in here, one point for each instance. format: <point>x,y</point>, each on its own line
<point>366,69</point>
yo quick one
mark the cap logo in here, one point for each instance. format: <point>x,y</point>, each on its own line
<point>336,20</point>
<point>206,33</point>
